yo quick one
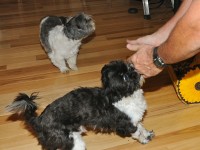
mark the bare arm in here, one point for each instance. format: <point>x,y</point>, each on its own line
<point>161,35</point>
<point>166,29</point>
<point>184,41</point>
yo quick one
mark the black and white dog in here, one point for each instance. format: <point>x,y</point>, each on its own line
<point>118,106</point>
<point>61,38</point>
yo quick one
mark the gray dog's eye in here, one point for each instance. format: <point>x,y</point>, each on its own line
<point>125,77</point>
<point>78,26</point>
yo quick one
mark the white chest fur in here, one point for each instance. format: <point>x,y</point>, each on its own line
<point>134,106</point>
<point>60,42</point>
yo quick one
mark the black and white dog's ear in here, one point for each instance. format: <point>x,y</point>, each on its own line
<point>113,75</point>
<point>111,71</point>
<point>104,76</point>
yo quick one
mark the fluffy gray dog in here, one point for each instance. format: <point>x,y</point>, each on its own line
<point>61,38</point>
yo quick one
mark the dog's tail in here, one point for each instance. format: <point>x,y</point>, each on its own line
<point>25,106</point>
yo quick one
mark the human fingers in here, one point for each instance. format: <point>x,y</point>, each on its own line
<point>129,60</point>
<point>134,47</point>
<point>142,69</point>
<point>145,40</point>
<point>132,41</point>
<point>146,72</point>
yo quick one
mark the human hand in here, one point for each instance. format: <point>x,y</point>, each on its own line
<point>142,41</point>
<point>143,61</point>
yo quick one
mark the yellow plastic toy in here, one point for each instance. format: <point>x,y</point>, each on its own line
<point>186,79</point>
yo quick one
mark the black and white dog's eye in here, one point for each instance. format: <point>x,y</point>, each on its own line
<point>125,77</point>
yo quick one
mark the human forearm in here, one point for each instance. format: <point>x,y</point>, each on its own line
<point>184,40</point>
<point>165,30</point>
<point>181,43</point>
<point>161,35</point>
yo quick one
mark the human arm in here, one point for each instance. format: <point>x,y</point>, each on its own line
<point>183,43</point>
<point>158,37</point>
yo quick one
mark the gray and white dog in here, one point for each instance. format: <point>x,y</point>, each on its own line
<point>61,38</point>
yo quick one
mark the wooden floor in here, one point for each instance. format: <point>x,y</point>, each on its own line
<point>24,67</point>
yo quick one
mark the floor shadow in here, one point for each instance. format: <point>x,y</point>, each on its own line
<point>157,82</point>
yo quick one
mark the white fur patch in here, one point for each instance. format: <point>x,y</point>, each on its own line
<point>134,106</point>
<point>78,141</point>
<point>62,45</point>
<point>143,135</point>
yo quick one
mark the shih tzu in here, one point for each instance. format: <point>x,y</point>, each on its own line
<point>118,106</point>
<point>61,38</point>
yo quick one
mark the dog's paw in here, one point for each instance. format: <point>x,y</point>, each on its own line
<point>148,137</point>
<point>143,136</point>
<point>64,70</point>
<point>75,68</point>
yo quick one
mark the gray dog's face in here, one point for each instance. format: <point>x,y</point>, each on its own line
<point>79,26</point>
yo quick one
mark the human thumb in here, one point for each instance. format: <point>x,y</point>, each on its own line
<point>133,47</point>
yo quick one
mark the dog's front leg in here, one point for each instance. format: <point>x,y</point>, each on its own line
<point>72,62</point>
<point>59,62</point>
<point>125,128</point>
<point>142,135</point>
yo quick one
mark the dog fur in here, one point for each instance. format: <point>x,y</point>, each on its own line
<point>61,38</point>
<point>118,106</point>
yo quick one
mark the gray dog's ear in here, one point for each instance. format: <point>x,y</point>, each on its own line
<point>79,27</point>
<point>63,19</point>
<point>75,32</point>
